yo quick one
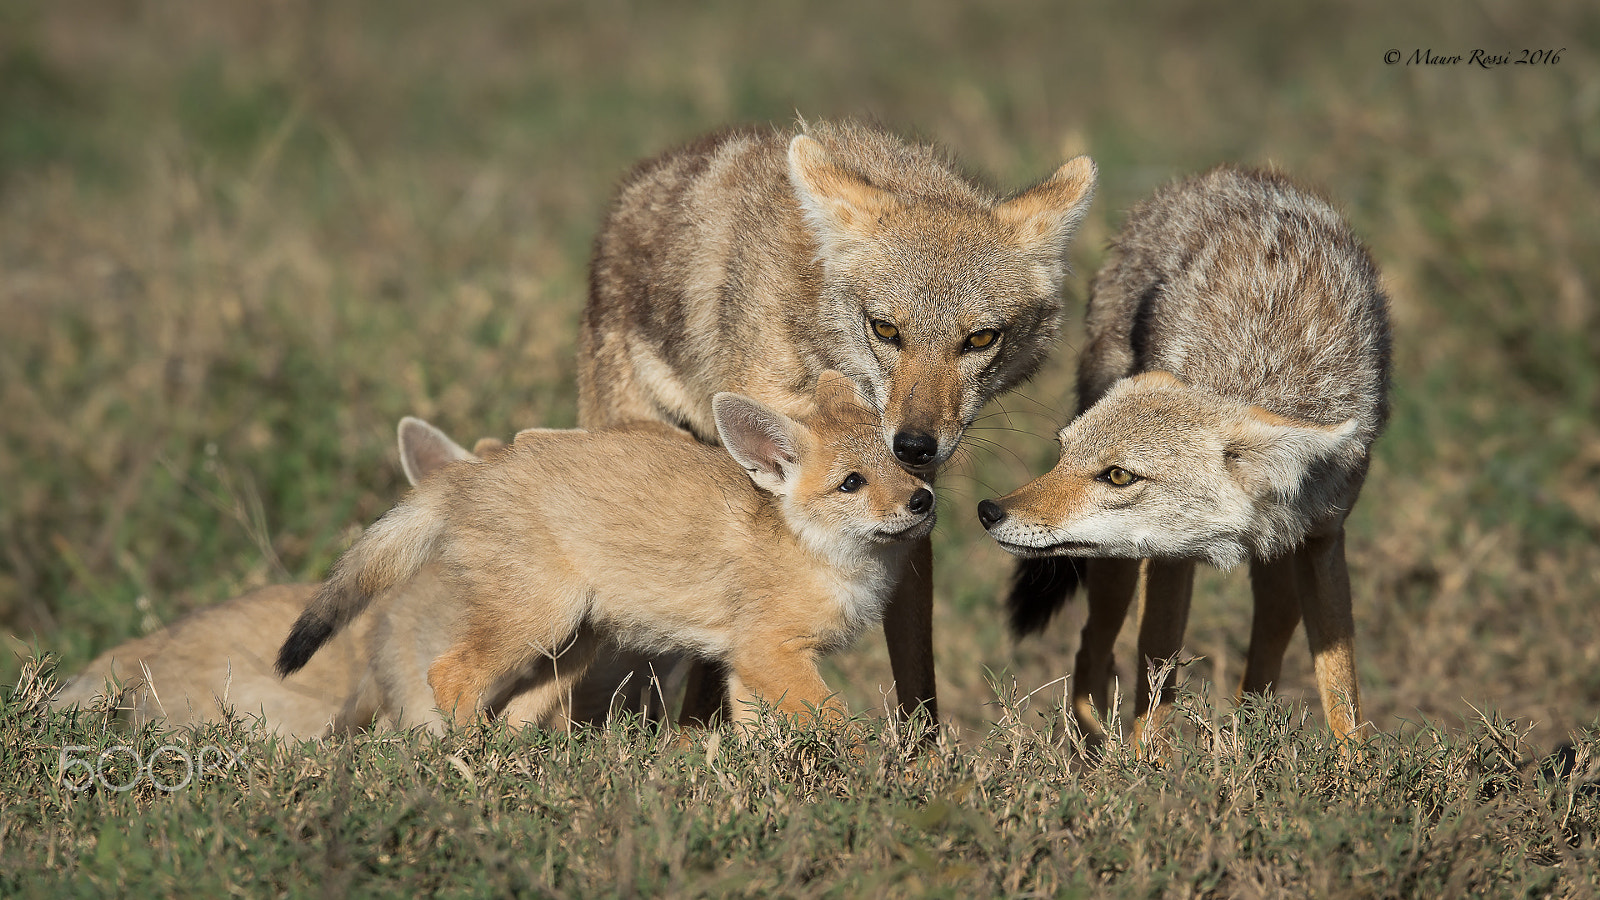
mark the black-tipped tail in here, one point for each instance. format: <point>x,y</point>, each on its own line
<point>310,632</point>
<point>1039,588</point>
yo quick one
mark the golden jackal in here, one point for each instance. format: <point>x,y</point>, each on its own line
<point>653,540</point>
<point>752,260</point>
<point>1234,379</point>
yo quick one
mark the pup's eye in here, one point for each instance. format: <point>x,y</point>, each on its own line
<point>886,330</point>
<point>981,339</point>
<point>1118,476</point>
<point>852,483</point>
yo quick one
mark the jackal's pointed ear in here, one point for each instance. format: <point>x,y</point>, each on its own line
<point>837,202</point>
<point>1048,214</point>
<point>1268,453</point>
<point>759,438</point>
<point>425,449</point>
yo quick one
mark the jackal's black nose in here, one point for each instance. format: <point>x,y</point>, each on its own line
<point>921,501</point>
<point>915,448</point>
<point>990,513</point>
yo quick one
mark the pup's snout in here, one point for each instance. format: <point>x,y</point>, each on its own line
<point>915,448</point>
<point>990,513</point>
<point>921,501</point>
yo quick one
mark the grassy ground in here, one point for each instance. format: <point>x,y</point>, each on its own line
<point>238,241</point>
<point>1257,802</point>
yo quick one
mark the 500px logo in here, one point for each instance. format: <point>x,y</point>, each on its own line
<point>93,768</point>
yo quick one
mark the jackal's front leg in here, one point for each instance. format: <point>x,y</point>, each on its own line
<point>908,629</point>
<point>1275,592</point>
<point>1111,584</point>
<point>1168,590</point>
<point>1330,629</point>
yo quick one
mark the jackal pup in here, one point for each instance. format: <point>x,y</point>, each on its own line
<point>761,562</point>
<point>219,660</point>
<point>1234,379</point>
<point>753,259</point>
<point>415,624</point>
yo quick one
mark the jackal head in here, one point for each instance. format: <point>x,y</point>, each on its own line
<point>1160,468</point>
<point>935,303</point>
<point>838,485</point>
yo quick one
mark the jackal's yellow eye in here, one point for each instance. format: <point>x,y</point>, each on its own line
<point>1118,476</point>
<point>981,339</point>
<point>886,330</point>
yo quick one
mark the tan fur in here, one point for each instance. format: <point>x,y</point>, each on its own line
<point>416,625</point>
<point>752,260</point>
<point>1236,368</point>
<point>219,660</point>
<point>568,539</point>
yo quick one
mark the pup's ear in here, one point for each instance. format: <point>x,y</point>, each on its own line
<point>764,441</point>
<point>1268,453</point>
<point>838,203</point>
<point>425,449</point>
<point>1047,215</point>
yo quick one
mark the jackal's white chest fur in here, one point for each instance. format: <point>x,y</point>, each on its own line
<point>860,587</point>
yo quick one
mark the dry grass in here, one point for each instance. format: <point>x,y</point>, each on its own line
<point>1249,802</point>
<point>238,241</point>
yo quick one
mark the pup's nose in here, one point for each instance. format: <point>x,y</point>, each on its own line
<point>990,513</point>
<point>921,501</point>
<point>914,448</point>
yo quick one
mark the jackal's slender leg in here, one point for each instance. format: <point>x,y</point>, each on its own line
<point>1330,629</point>
<point>908,629</point>
<point>1275,593</point>
<point>1111,583</point>
<point>1168,589</point>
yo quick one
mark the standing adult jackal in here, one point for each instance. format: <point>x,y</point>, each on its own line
<point>753,260</point>
<point>1234,378</point>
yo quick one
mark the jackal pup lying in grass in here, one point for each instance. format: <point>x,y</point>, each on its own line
<point>761,562</point>
<point>1234,379</point>
<point>219,660</point>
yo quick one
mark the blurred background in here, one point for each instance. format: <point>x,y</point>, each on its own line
<point>239,240</point>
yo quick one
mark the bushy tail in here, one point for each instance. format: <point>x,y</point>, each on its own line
<point>1039,588</point>
<point>391,552</point>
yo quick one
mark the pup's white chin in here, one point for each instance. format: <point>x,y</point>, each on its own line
<point>911,533</point>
